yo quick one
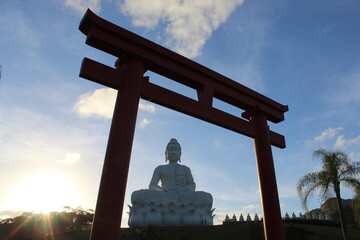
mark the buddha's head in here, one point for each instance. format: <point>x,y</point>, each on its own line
<point>173,151</point>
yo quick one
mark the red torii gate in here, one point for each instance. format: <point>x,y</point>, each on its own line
<point>136,55</point>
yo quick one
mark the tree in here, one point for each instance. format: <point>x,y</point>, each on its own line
<point>46,225</point>
<point>336,169</point>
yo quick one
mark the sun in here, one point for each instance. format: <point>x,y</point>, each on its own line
<point>44,192</point>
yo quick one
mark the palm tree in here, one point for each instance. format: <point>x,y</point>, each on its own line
<point>336,169</point>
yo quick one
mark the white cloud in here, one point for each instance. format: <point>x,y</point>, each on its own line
<point>147,107</point>
<point>101,103</point>
<point>188,23</point>
<point>82,5</point>
<point>327,134</point>
<point>70,159</point>
<point>144,123</point>
<point>341,141</point>
<point>251,208</point>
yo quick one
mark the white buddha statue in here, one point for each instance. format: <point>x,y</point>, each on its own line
<point>173,202</point>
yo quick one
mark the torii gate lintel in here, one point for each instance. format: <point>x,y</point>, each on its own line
<point>201,109</point>
<point>137,55</point>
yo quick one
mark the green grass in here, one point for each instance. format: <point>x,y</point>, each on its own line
<point>245,231</point>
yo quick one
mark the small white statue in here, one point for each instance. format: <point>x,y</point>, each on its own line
<point>175,202</point>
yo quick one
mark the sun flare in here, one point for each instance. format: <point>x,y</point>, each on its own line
<point>44,192</point>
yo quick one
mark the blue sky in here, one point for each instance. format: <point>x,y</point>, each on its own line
<point>54,124</point>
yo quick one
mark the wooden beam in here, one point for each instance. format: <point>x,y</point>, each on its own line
<point>197,109</point>
<point>100,73</point>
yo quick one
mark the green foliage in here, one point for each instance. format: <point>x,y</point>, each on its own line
<point>43,226</point>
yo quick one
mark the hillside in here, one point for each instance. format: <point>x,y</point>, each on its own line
<point>330,207</point>
<point>246,231</point>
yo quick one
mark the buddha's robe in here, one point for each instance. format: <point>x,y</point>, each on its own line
<point>177,186</point>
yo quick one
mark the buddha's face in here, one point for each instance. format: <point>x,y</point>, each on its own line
<point>173,152</point>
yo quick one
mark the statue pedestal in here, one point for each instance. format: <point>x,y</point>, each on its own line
<point>171,214</point>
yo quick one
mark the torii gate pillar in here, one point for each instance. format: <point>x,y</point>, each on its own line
<point>112,189</point>
<point>267,179</point>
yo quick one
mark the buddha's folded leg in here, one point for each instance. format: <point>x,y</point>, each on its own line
<point>148,196</point>
<point>196,198</point>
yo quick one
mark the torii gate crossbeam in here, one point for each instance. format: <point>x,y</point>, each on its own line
<point>136,55</point>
